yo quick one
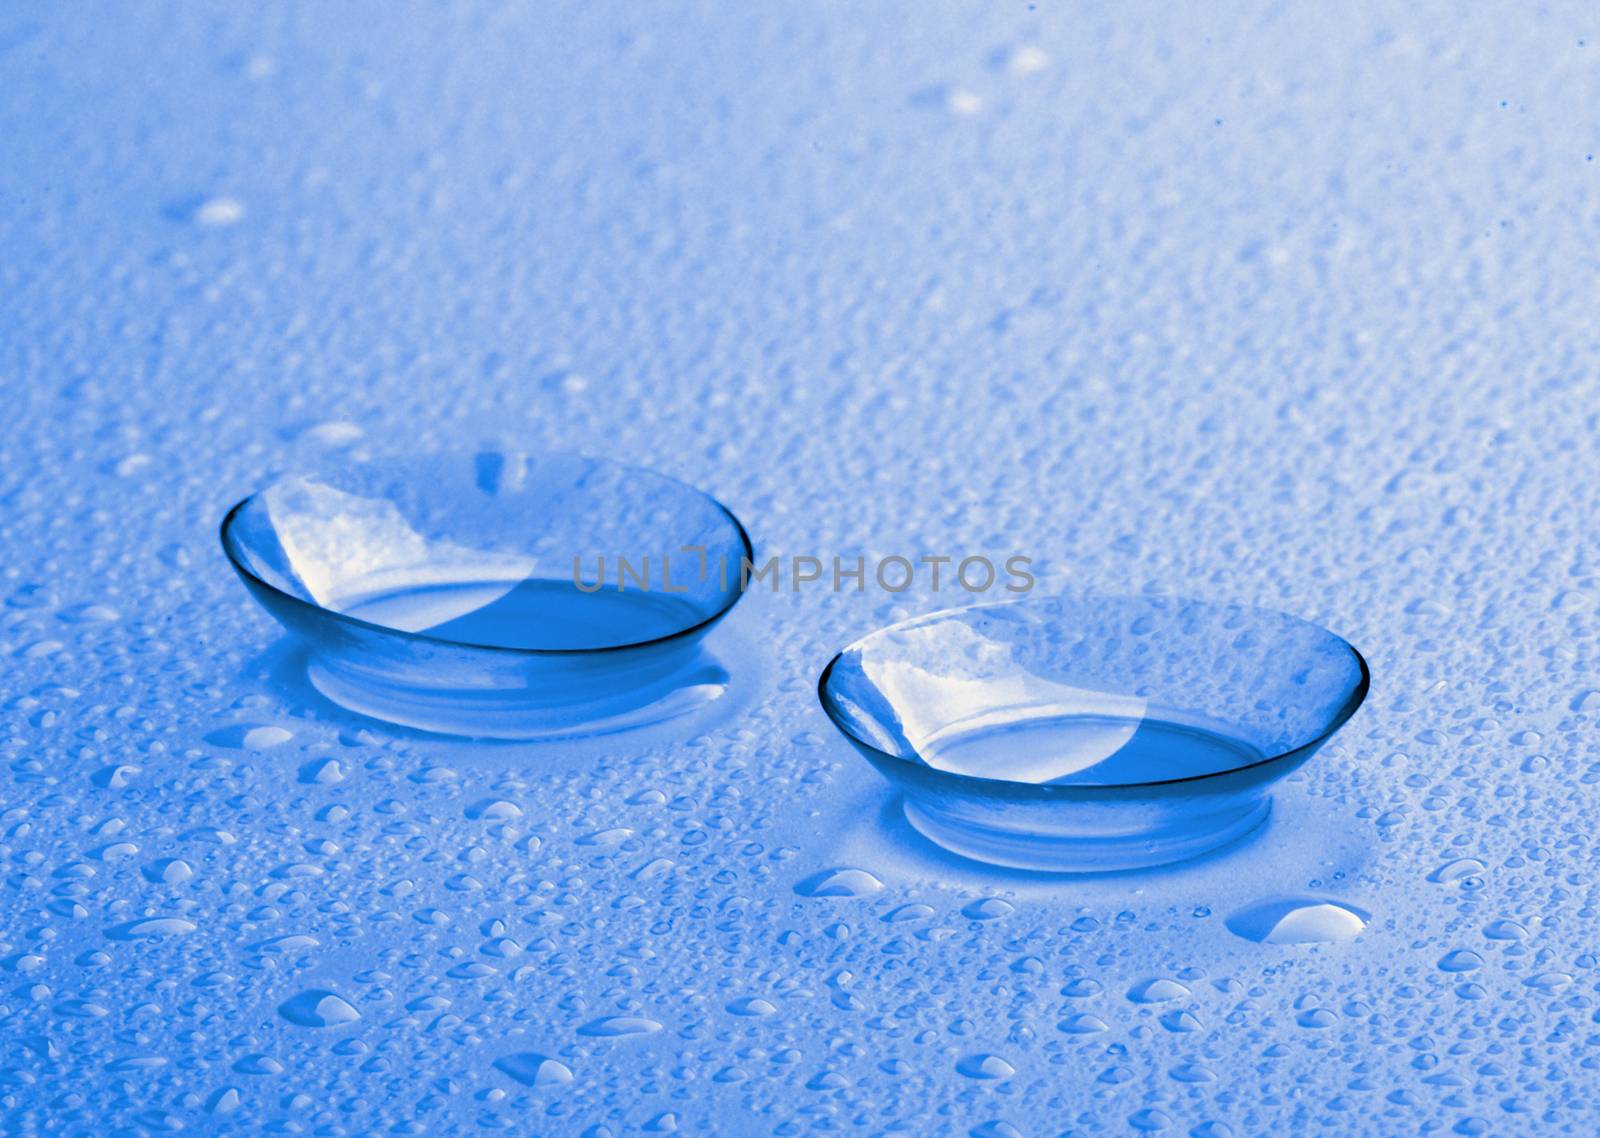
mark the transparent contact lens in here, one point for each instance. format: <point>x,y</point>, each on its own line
<point>1091,733</point>
<point>494,594</point>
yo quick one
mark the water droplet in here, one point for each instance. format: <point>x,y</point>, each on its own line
<point>258,1065</point>
<point>1149,1119</point>
<point>89,614</point>
<point>1298,920</point>
<point>1027,60</point>
<point>225,1100</point>
<point>218,212</point>
<point>843,882</point>
<point>1460,960</point>
<point>1157,991</point>
<point>250,737</point>
<point>322,772</point>
<point>615,836</point>
<point>534,1070</point>
<point>494,810</point>
<point>333,433</point>
<point>114,777</point>
<point>915,911</point>
<point>168,871</point>
<point>1456,869</point>
<point>318,1007</point>
<point>985,1067</point>
<point>613,1027</point>
<point>995,1129</point>
<point>287,944</point>
<point>151,927</point>
<point>1548,981</point>
<point>1193,1073</point>
<point>1505,930</point>
<point>988,909</point>
<point>751,1006</point>
<point>1083,1024</point>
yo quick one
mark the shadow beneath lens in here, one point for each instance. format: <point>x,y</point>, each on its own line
<point>707,690</point>
<point>1302,845</point>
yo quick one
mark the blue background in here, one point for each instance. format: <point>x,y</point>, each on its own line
<point>1289,305</point>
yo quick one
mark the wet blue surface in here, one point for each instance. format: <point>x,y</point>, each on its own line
<point>1293,307</point>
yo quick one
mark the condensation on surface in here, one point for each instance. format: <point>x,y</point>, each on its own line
<point>1286,306</point>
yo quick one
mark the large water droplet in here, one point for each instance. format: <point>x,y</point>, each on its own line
<point>1505,930</point>
<point>1548,981</point>
<point>318,1007</point>
<point>912,911</point>
<point>1456,869</point>
<point>985,1067</point>
<point>1460,960</point>
<point>988,909</point>
<point>1083,1024</point>
<point>168,871</point>
<point>258,1065</point>
<point>842,882</point>
<point>494,810</point>
<point>322,772</point>
<point>752,1006</point>
<point>1157,991</point>
<point>612,1027</point>
<point>534,1070</point>
<point>151,927</point>
<point>250,736</point>
<point>1299,920</point>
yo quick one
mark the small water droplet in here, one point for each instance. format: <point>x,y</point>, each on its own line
<point>1027,60</point>
<point>333,433</point>
<point>89,614</point>
<point>215,213</point>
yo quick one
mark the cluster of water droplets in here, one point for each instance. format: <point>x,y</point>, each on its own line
<point>1127,296</point>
